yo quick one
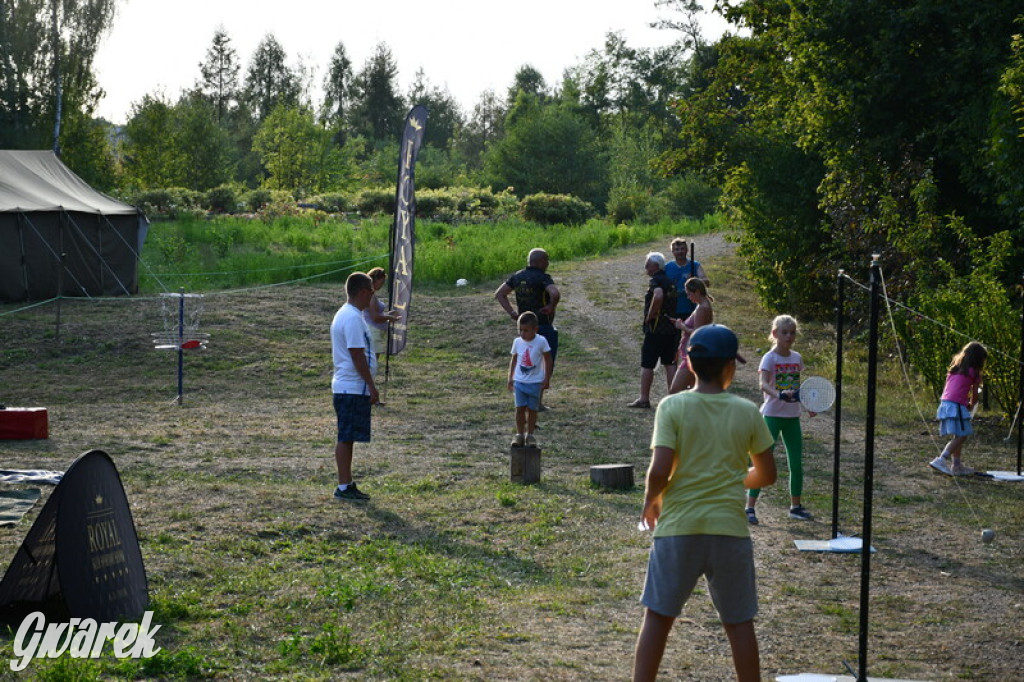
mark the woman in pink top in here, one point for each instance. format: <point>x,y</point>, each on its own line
<point>963,382</point>
<point>697,292</point>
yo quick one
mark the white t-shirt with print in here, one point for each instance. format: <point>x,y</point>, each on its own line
<point>530,363</point>
<point>783,375</point>
<point>348,330</point>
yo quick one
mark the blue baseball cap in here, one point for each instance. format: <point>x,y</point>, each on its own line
<point>714,341</point>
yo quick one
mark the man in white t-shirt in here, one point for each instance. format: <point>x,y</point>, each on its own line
<point>355,364</point>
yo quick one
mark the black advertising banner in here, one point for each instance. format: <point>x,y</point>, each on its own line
<point>81,557</point>
<point>403,230</point>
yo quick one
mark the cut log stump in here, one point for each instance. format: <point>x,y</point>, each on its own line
<point>524,463</point>
<point>618,476</point>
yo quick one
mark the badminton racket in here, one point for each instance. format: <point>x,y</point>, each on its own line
<point>816,394</point>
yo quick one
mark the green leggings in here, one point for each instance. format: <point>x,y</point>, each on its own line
<point>793,438</point>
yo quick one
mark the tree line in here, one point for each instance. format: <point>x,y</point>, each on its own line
<point>264,122</point>
<point>825,130</point>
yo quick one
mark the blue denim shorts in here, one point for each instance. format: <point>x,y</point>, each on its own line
<point>353,417</point>
<point>528,394</point>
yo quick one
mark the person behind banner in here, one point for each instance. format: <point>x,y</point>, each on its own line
<point>352,385</point>
<point>680,269</point>
<point>529,373</point>
<point>376,315</point>
<point>536,293</point>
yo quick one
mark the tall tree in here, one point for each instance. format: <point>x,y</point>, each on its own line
<point>300,155</point>
<point>203,144</point>
<point>485,126</point>
<point>444,115</point>
<point>529,80</point>
<point>150,155</point>
<point>47,48</point>
<point>549,148</point>
<point>219,74</point>
<point>337,88</point>
<point>377,108</point>
<point>269,81</point>
<point>22,71</point>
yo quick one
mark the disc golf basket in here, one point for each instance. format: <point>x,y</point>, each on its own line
<point>181,313</point>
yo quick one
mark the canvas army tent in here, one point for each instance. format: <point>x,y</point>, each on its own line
<point>59,236</point>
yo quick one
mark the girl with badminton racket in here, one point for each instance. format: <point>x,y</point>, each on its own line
<point>963,382</point>
<point>779,379</point>
<point>697,292</point>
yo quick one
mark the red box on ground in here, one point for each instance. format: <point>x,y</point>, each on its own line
<point>24,423</point>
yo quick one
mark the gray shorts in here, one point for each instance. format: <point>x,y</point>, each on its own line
<point>677,561</point>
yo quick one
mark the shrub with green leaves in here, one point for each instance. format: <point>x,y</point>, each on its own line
<point>223,199</point>
<point>437,204</point>
<point>690,196</point>
<point>555,209</point>
<point>371,202</point>
<point>968,307</point>
<point>334,203</point>
<point>256,199</point>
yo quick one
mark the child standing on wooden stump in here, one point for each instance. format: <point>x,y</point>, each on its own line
<point>703,439</point>
<point>529,374</point>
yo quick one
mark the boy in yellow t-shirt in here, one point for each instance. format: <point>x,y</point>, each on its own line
<point>702,442</point>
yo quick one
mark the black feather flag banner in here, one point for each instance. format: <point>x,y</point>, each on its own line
<point>403,229</point>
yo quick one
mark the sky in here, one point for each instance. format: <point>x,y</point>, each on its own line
<point>468,46</point>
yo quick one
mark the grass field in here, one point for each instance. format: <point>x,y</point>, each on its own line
<point>451,572</point>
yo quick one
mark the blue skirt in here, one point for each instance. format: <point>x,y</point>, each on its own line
<point>954,419</point>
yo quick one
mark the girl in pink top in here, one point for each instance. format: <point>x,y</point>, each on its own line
<point>963,383</point>
<point>702,314</point>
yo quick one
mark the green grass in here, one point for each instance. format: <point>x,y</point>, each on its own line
<point>452,572</point>
<point>229,251</point>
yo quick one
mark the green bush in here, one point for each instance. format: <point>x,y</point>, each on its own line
<point>255,200</point>
<point>170,202</point>
<point>555,209</point>
<point>223,199</point>
<point>184,199</point>
<point>371,202</point>
<point>625,204</point>
<point>334,203</point>
<point>437,204</point>
<point>973,306</point>
<point>153,202</point>
<point>691,197</point>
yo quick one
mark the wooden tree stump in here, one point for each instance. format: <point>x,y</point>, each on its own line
<point>618,476</point>
<point>524,464</point>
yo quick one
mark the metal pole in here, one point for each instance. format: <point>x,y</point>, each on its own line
<point>60,286</point>
<point>869,467</point>
<point>181,340</point>
<point>838,428</point>
<point>1020,384</point>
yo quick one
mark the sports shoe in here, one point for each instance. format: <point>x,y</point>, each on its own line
<point>941,464</point>
<point>518,441</point>
<point>961,470</point>
<point>351,492</point>
<point>798,512</point>
<point>531,441</point>
<point>751,516</point>
<point>641,404</point>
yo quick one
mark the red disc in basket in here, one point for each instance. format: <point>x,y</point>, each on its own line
<point>189,345</point>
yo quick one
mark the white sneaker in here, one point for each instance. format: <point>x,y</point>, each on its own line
<point>530,442</point>
<point>961,470</point>
<point>941,464</point>
<point>517,442</point>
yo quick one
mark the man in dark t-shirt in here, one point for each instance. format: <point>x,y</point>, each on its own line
<point>535,292</point>
<point>661,338</point>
